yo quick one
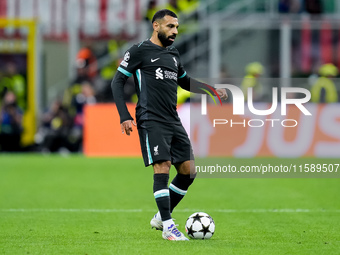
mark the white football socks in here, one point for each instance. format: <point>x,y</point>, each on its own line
<point>167,224</point>
<point>158,216</point>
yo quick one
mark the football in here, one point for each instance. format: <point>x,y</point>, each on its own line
<point>200,225</point>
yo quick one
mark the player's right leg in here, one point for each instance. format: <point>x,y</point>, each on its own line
<point>161,193</point>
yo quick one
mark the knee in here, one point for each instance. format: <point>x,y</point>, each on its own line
<point>162,167</point>
<point>186,168</point>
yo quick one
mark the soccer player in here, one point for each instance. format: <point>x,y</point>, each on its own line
<point>157,71</point>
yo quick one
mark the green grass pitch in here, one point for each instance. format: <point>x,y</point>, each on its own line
<point>78,205</point>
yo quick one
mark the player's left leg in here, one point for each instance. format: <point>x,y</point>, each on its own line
<point>186,174</point>
<point>183,160</point>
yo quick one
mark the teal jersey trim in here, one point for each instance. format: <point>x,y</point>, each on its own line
<point>123,71</point>
<point>138,74</point>
<point>148,149</point>
<point>140,44</point>
<point>185,73</point>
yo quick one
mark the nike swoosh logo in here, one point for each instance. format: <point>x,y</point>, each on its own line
<point>153,60</point>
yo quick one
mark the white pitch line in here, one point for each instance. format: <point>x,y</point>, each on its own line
<point>73,210</point>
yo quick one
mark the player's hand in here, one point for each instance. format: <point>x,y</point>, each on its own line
<point>126,126</point>
<point>222,93</point>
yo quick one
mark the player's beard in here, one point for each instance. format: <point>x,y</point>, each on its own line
<point>165,39</point>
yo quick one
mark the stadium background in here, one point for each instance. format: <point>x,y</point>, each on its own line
<point>58,58</point>
<point>64,54</point>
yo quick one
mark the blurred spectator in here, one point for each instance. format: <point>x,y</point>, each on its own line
<point>324,89</point>
<point>3,88</point>
<point>284,6</point>
<point>86,64</point>
<point>177,6</point>
<point>55,129</point>
<point>82,92</point>
<point>12,80</point>
<point>87,96</point>
<point>253,71</point>
<point>289,6</point>
<point>152,9</point>
<point>11,124</point>
<point>172,5</point>
<point>313,6</point>
<point>188,6</point>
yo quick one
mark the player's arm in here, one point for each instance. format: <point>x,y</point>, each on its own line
<point>131,62</point>
<point>196,86</point>
<point>193,85</point>
<point>117,86</point>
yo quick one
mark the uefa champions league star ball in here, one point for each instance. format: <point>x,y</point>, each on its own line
<point>200,225</point>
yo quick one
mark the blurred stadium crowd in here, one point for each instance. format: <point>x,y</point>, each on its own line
<point>60,126</point>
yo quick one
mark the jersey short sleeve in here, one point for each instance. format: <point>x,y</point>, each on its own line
<point>132,60</point>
